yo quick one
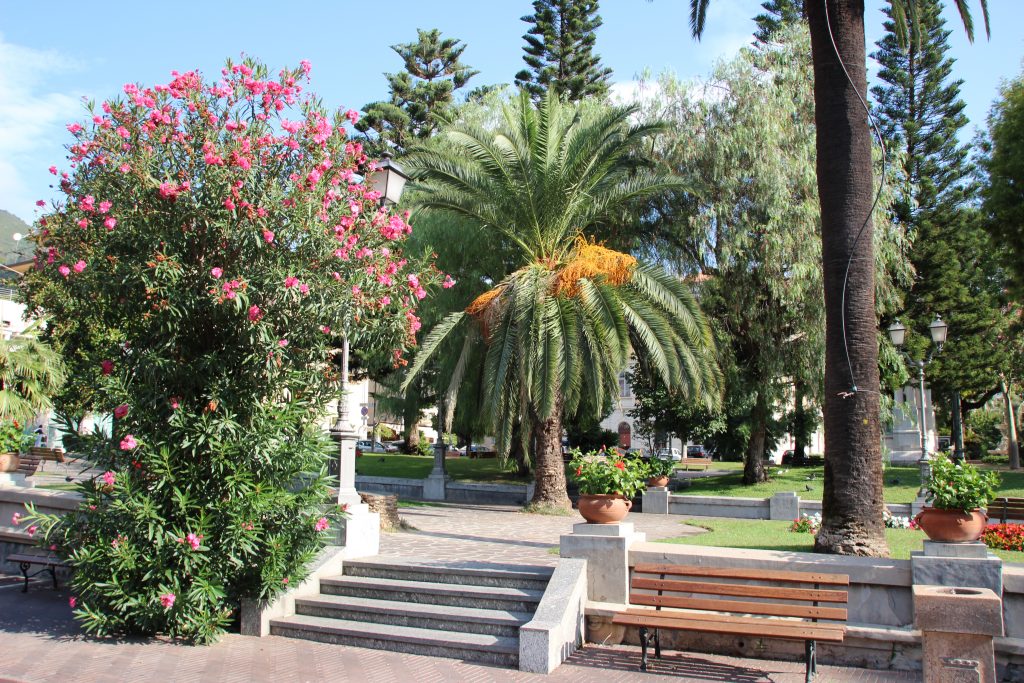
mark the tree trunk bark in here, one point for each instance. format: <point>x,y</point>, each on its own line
<point>549,469</point>
<point>1011,426</point>
<point>852,497</point>
<point>753,466</point>
<point>799,423</point>
<point>518,454</point>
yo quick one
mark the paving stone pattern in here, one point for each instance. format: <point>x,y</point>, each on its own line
<point>499,534</point>
<point>40,643</point>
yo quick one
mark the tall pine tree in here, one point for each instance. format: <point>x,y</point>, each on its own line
<point>920,115</point>
<point>777,15</point>
<point>560,51</point>
<point>421,96</point>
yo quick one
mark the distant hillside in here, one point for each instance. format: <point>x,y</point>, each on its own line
<point>9,248</point>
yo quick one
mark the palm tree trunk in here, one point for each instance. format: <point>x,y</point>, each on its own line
<point>852,496</point>
<point>753,467</point>
<point>549,470</point>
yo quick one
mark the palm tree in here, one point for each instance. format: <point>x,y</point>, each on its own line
<point>852,496</point>
<point>560,327</point>
<point>30,373</point>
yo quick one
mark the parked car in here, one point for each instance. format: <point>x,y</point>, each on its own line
<point>696,451</point>
<point>367,446</point>
<point>672,454</point>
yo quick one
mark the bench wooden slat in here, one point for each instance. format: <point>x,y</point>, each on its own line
<point>731,618</point>
<point>740,590</point>
<point>749,574</point>
<point>739,606</point>
<point>799,630</point>
<point>55,454</point>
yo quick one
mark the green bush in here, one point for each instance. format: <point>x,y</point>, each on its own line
<point>984,432</point>
<point>959,485</point>
<point>605,472</point>
<point>214,241</point>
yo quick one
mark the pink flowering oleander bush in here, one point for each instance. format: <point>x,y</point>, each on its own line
<point>211,244</point>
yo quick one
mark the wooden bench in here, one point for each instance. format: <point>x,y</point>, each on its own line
<point>48,563</point>
<point>742,602</point>
<point>1007,509</point>
<point>44,454</point>
<point>28,464</point>
<point>697,462</point>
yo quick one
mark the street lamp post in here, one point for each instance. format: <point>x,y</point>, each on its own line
<point>897,334</point>
<point>389,180</point>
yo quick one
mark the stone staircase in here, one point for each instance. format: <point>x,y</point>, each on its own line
<point>469,611</point>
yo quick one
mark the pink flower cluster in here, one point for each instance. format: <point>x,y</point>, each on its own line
<point>167,600</point>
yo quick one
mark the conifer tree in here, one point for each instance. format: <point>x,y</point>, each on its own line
<point>421,95</point>
<point>778,14</point>
<point>560,51</point>
<point>920,114</point>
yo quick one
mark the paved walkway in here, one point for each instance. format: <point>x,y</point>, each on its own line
<point>499,534</point>
<point>40,643</point>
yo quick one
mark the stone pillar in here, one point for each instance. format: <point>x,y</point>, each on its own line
<point>968,565</point>
<point>784,505</point>
<point>360,532</point>
<point>605,547</point>
<point>15,479</point>
<point>957,626</point>
<point>655,500</point>
<point>436,482</point>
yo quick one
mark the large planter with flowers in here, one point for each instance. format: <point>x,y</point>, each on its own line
<point>11,441</point>
<point>957,492</point>
<point>608,481</point>
<point>659,470</point>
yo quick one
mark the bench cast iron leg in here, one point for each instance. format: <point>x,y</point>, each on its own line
<point>53,575</point>
<point>643,648</point>
<point>657,643</point>
<point>812,660</point>
<point>24,566</point>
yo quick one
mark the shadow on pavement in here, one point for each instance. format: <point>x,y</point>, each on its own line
<point>674,664</point>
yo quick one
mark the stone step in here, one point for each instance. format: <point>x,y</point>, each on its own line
<point>474,573</point>
<point>419,615</point>
<point>468,646</point>
<point>457,595</point>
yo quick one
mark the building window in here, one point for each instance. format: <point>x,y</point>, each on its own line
<point>625,390</point>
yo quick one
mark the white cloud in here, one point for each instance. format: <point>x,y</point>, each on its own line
<point>31,122</point>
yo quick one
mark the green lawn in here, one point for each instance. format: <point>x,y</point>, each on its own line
<point>60,486</point>
<point>775,535</point>
<point>901,484</point>
<point>488,470</point>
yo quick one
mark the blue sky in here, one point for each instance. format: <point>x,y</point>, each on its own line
<point>52,54</point>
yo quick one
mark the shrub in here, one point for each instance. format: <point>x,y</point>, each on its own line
<point>659,467</point>
<point>1004,536</point>
<point>959,485</point>
<point>214,242</point>
<point>13,439</point>
<point>806,524</point>
<point>608,472</point>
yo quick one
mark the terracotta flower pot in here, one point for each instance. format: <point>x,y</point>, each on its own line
<point>9,462</point>
<point>658,481</point>
<point>604,508</point>
<point>952,526</point>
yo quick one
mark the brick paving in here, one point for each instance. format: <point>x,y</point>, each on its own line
<point>40,643</point>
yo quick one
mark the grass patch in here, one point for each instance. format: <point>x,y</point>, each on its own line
<point>60,486</point>
<point>901,484</point>
<point>547,509</point>
<point>775,535</point>
<point>418,504</point>
<point>486,470</point>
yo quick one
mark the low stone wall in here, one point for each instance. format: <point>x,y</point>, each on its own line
<point>455,491</point>
<point>781,506</point>
<point>717,506</point>
<point>881,632</point>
